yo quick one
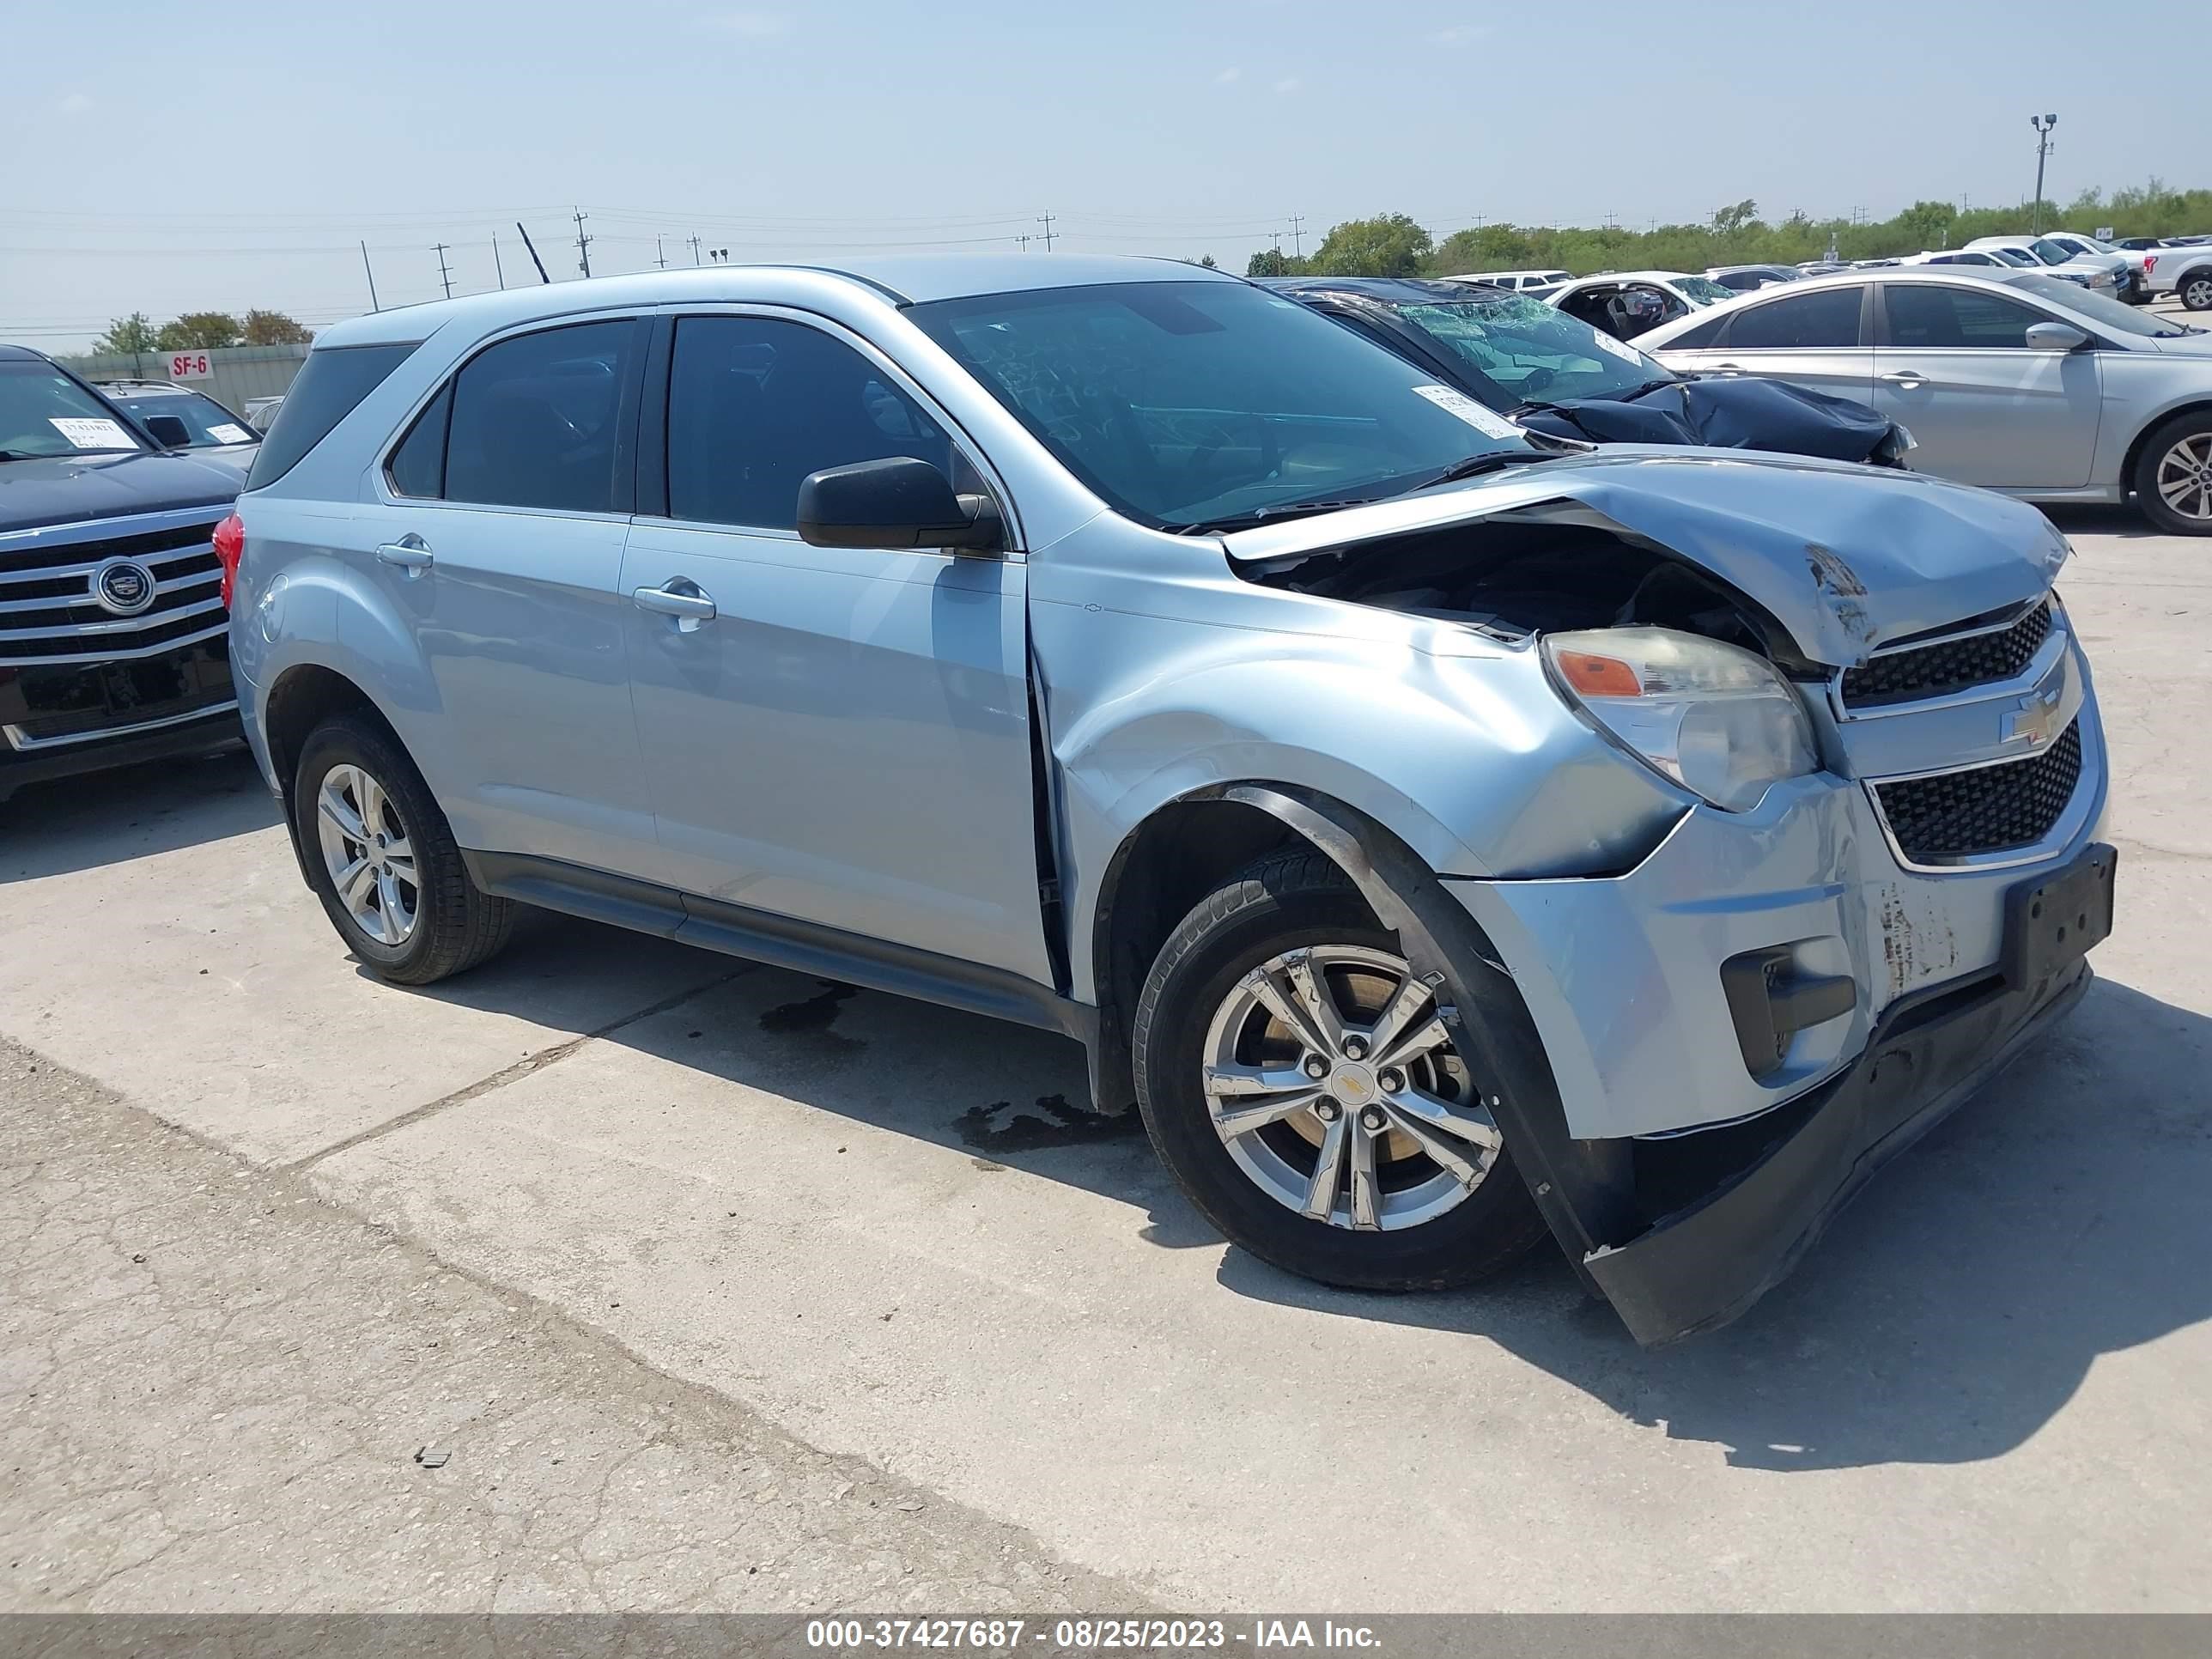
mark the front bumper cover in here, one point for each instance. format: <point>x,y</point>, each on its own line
<point>1760,1192</point>
<point>1702,1265</point>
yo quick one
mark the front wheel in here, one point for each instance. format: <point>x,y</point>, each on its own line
<point>2195,290</point>
<point>2173,476</point>
<point>1300,1085</point>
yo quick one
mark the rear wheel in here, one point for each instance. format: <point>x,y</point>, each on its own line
<point>2173,476</point>
<point>382,857</point>
<point>2194,288</point>
<point>1298,1082</point>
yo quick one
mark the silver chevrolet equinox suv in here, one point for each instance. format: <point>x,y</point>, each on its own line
<point>1443,835</point>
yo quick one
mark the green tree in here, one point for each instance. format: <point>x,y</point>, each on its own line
<point>272,328</point>
<point>1270,261</point>
<point>128,336</point>
<point>1730,220</point>
<point>1388,244</point>
<point>199,331</point>
<point>1928,223</point>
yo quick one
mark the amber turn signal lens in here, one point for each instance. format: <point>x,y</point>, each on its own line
<point>1598,676</point>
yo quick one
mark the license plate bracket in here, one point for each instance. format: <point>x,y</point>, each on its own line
<point>2053,921</point>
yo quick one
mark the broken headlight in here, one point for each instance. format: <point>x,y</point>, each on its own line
<point>1718,721</point>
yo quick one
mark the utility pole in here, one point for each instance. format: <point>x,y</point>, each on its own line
<point>2044,125</point>
<point>1046,221</point>
<point>371,275</point>
<point>532,248</point>
<point>498,270</point>
<point>444,275</point>
<point>583,243</point>
<point>694,250</point>
<point>1297,237</point>
<point>659,259</point>
<point>1022,238</point>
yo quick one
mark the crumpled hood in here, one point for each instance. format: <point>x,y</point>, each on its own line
<point>68,488</point>
<point>1845,557</point>
<point>1751,413</point>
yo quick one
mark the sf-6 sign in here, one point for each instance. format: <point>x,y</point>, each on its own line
<point>189,366</point>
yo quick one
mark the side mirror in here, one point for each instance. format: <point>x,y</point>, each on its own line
<point>900,502</point>
<point>2055,337</point>
<point>169,432</point>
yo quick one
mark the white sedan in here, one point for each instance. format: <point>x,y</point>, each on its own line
<point>1625,303</point>
<point>2016,381</point>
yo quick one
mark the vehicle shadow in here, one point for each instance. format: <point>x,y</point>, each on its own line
<point>1951,1311</point>
<point>132,813</point>
<point>2124,522</point>
<point>1946,1317</point>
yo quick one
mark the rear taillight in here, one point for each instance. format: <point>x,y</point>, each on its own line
<point>230,548</point>
<point>2150,264</point>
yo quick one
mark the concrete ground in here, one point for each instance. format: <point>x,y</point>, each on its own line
<point>724,1287</point>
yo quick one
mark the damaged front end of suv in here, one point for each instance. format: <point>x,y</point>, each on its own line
<point>1758,827</point>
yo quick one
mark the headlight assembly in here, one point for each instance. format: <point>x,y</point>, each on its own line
<point>1718,721</point>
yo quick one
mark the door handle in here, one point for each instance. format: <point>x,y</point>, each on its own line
<point>410,553</point>
<point>1911,380</point>
<point>684,600</point>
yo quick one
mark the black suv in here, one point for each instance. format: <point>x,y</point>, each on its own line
<point>113,620</point>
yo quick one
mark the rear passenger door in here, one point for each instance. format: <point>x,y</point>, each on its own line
<point>836,736</point>
<point>497,536</point>
<point>1818,339</point>
<point>1954,364</point>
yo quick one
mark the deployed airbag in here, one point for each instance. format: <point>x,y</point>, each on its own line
<point>1728,414</point>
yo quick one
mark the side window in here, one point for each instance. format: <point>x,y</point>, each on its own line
<point>417,467</point>
<point>535,421</point>
<point>1926,317</point>
<point>754,404</point>
<point>1705,334</point>
<point>1827,319</point>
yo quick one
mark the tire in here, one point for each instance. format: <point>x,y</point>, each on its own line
<point>2195,287</point>
<point>452,924</point>
<point>1425,1227</point>
<point>2173,476</point>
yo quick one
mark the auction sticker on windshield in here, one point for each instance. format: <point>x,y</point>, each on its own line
<point>225,432</point>
<point>1459,404</point>
<point>91,435</point>
<point>1621,349</point>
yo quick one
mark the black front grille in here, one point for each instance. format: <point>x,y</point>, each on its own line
<point>1990,809</point>
<point>1948,666</point>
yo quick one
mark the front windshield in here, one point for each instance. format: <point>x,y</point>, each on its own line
<point>212,426</point>
<point>2101,308</point>
<point>43,412</point>
<point>1183,403</point>
<point>1522,350</point>
<point>1703,289</point>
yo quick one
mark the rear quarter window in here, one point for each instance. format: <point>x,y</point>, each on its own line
<point>329,387</point>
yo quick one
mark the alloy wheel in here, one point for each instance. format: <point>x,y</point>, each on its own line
<point>1331,1080</point>
<point>366,851</point>
<point>2183,478</point>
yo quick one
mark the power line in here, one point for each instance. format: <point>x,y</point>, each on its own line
<point>1298,236</point>
<point>444,275</point>
<point>1045,219</point>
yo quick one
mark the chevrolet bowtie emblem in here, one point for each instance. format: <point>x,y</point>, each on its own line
<point>2035,720</point>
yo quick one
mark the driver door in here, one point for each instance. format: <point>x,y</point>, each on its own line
<point>836,736</point>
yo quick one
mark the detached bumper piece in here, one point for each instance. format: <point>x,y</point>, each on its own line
<point>1700,1266</point>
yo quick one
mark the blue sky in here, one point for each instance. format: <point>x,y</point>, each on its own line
<point>258,143</point>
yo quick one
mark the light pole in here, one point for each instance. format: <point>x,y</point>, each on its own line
<point>2043,125</point>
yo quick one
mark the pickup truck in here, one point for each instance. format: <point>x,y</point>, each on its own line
<point>112,644</point>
